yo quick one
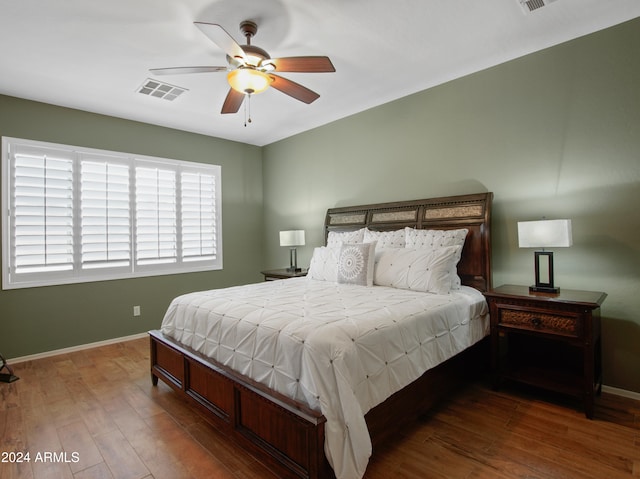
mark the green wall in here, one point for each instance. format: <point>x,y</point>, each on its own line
<point>36,320</point>
<point>555,134</point>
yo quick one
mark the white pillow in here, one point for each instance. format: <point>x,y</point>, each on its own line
<point>355,263</point>
<point>385,239</point>
<point>336,238</point>
<point>324,264</point>
<point>432,239</point>
<point>417,269</point>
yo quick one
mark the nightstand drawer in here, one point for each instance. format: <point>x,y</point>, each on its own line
<point>539,321</point>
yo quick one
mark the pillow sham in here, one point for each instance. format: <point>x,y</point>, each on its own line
<point>324,264</point>
<point>356,263</point>
<point>417,269</point>
<point>385,239</point>
<point>336,238</point>
<point>432,239</point>
<point>416,238</point>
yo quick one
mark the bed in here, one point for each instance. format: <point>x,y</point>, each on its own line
<point>258,361</point>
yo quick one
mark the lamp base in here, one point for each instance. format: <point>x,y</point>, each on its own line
<point>293,261</point>
<point>543,289</point>
<point>8,378</point>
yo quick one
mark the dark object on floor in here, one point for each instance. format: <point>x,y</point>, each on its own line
<point>7,377</point>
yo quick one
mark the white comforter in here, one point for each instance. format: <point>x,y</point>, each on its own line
<point>341,349</point>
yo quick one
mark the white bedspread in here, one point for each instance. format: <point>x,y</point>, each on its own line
<point>341,349</point>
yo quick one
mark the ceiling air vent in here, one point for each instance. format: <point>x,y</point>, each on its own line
<point>161,90</point>
<point>530,5</point>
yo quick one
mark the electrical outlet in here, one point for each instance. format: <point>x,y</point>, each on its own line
<point>136,310</point>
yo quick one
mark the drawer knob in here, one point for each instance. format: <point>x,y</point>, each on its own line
<point>536,322</point>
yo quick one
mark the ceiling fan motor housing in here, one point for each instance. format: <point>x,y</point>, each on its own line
<point>255,57</point>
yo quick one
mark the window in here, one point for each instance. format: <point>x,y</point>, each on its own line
<point>74,214</point>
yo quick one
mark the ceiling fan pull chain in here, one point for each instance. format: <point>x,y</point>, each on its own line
<point>247,107</point>
<point>245,111</point>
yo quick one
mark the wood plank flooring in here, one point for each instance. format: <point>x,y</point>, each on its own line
<point>94,414</point>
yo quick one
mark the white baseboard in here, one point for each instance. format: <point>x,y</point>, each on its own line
<point>621,392</point>
<point>72,349</point>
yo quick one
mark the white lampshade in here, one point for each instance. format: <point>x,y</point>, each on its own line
<point>544,234</point>
<point>292,238</point>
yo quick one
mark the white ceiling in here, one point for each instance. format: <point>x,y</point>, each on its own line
<point>93,55</point>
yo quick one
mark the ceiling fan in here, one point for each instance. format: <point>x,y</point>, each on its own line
<point>251,70</point>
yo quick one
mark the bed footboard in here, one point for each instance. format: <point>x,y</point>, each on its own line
<point>285,434</point>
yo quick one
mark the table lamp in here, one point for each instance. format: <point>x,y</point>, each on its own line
<point>544,234</point>
<point>292,239</point>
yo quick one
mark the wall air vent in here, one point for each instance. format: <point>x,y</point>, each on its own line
<point>161,90</point>
<point>530,5</point>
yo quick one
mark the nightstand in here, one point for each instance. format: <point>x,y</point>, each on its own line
<point>273,274</point>
<point>552,341</point>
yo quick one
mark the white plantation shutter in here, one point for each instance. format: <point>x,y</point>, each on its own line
<point>156,216</point>
<point>105,213</point>
<point>79,214</point>
<point>198,195</point>
<point>42,222</point>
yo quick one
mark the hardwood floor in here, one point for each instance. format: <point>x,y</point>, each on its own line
<point>94,414</point>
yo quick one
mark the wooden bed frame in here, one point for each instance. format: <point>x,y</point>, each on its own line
<point>286,435</point>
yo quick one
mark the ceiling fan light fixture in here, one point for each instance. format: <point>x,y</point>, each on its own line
<point>249,81</point>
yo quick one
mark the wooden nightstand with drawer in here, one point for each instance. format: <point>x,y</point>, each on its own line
<point>552,341</point>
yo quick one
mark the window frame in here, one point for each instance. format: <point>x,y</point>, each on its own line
<point>78,274</point>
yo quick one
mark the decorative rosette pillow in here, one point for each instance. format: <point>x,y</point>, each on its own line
<point>356,262</point>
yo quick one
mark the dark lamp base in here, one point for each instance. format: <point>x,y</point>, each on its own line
<point>543,289</point>
<point>294,270</point>
<point>8,378</point>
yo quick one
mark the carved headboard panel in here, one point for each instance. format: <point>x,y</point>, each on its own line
<point>466,211</point>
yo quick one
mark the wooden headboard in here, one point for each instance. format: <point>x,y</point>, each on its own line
<point>466,211</point>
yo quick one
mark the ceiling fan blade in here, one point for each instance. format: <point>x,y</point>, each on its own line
<point>293,89</point>
<point>232,102</point>
<point>181,70</point>
<point>220,37</point>
<point>303,64</point>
